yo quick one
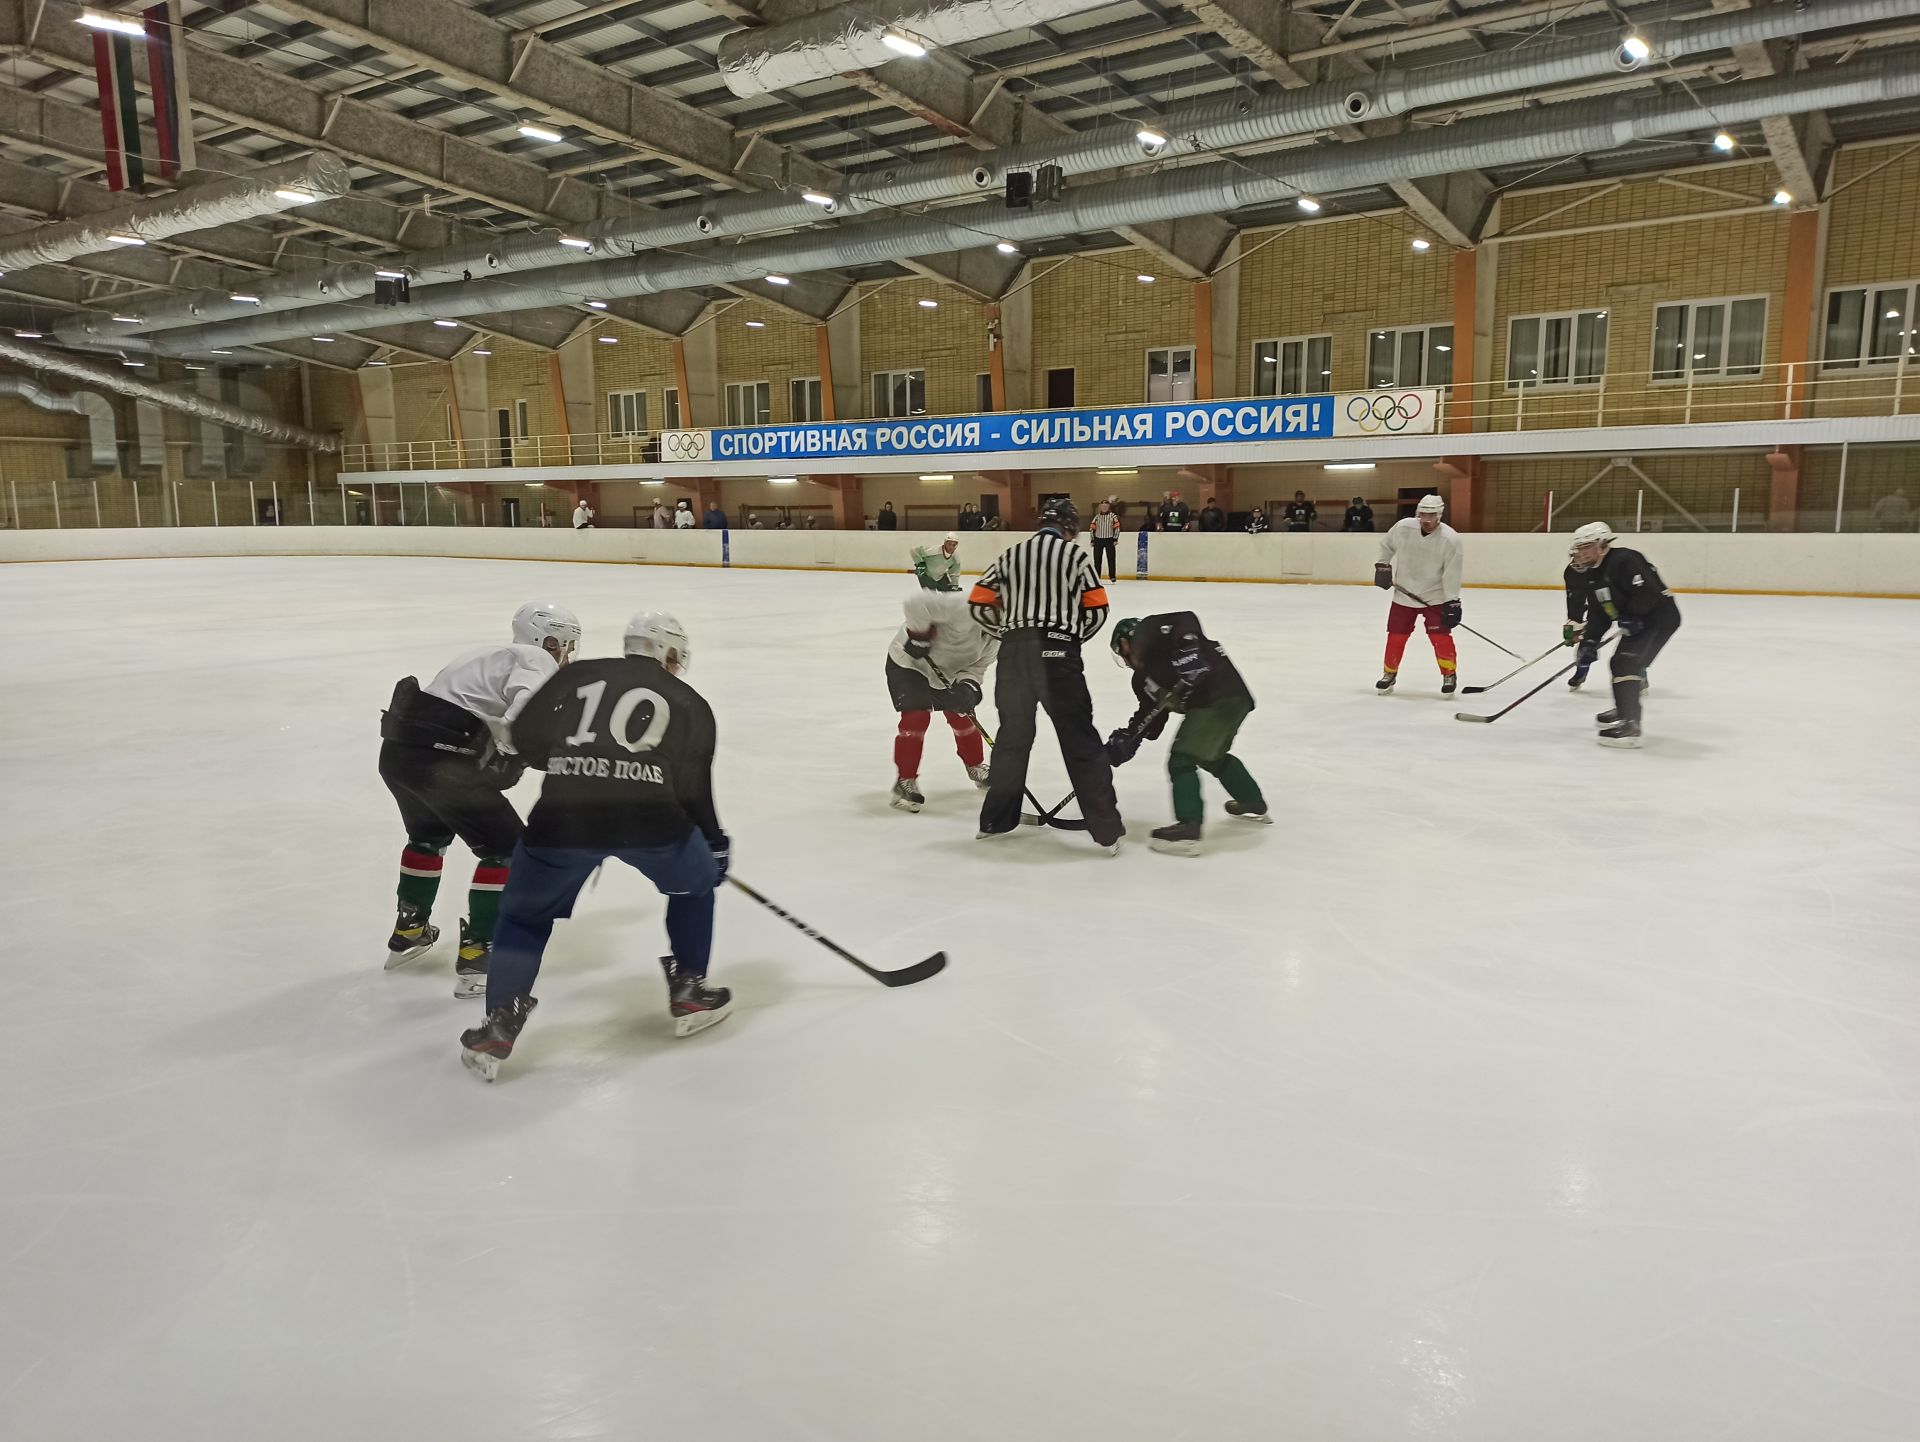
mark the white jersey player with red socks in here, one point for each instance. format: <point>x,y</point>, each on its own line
<point>1420,562</point>
<point>938,662</point>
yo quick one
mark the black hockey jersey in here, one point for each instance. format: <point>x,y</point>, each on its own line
<point>1171,652</point>
<point>1625,583</point>
<point>628,751</point>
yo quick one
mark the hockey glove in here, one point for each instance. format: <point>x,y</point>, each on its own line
<point>1588,653</point>
<point>1383,575</point>
<point>917,648</point>
<point>1450,615</point>
<point>1121,746</point>
<point>1571,633</point>
<point>1631,625</point>
<point>722,848</point>
<point>963,695</point>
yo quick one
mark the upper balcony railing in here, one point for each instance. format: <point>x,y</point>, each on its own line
<point>1801,391</point>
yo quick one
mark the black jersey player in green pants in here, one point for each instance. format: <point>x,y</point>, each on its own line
<point>1176,668</point>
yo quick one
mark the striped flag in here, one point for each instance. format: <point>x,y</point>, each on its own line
<point>119,119</point>
<point>167,76</point>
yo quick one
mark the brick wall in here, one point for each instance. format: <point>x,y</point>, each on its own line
<point>781,348</point>
<point>950,342</point>
<point>641,361</point>
<point>1092,314</point>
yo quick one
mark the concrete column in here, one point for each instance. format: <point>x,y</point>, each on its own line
<point>696,360</point>
<point>467,395</point>
<point>1016,345</point>
<point>1223,289</point>
<point>848,400</point>
<point>579,393</point>
<point>1210,480</point>
<point>1016,497</point>
<point>823,352</point>
<point>1783,494</point>
<point>849,502</point>
<point>1806,264</point>
<point>1463,483</point>
<point>376,403</point>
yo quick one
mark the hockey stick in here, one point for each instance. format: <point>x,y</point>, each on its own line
<point>905,976</point>
<point>946,684</point>
<point>1463,626</point>
<point>1477,690</point>
<point>1051,817</point>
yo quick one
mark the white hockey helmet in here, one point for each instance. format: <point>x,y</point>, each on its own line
<point>1594,533</point>
<point>1430,505</point>
<point>659,635</point>
<point>538,622</point>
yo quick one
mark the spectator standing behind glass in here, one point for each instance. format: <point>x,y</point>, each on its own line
<point>1104,528</point>
<point>1359,516</point>
<point>1212,518</point>
<point>582,516</point>
<point>970,518</point>
<point>1893,512</point>
<point>683,516</point>
<point>888,519</point>
<point>1257,521</point>
<point>1174,513</point>
<point>662,516</point>
<point>1300,513</point>
<point>716,519</point>
<point>1119,509</point>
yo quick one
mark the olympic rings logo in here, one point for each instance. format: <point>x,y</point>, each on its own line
<point>685,445</point>
<point>1392,411</point>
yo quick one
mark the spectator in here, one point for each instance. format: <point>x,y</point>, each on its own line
<point>716,518</point>
<point>1256,520</point>
<point>1359,516</point>
<point>1174,513</point>
<point>662,517</point>
<point>889,521</point>
<point>1212,518</point>
<point>1893,512</point>
<point>812,521</point>
<point>582,515</point>
<point>993,523</point>
<point>1119,509</point>
<point>753,521</point>
<point>683,516</point>
<point>970,518</point>
<point>1300,513</point>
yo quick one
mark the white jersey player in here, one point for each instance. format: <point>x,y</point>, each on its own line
<point>938,662</point>
<point>1420,562</point>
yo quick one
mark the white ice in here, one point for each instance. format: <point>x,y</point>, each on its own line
<point>1510,1089</point>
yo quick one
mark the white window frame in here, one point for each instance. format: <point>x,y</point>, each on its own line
<point>1693,373</point>
<point>1400,334</point>
<point>522,413</point>
<point>1862,358</point>
<point>796,389</point>
<point>670,409</point>
<point>1572,380</point>
<point>623,409</point>
<point>983,391</point>
<point>1313,385</point>
<point>883,383</point>
<point>748,403</point>
<point>1173,397</point>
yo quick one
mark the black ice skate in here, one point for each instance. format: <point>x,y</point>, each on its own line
<point>412,937</point>
<point>906,794</point>
<point>1579,678</point>
<point>1624,735</point>
<point>470,970</point>
<point>1180,839</point>
<point>1247,813</point>
<point>1449,683</point>
<point>1607,717</point>
<point>978,775</point>
<point>484,1047</point>
<point>695,1005</point>
<point>1385,683</point>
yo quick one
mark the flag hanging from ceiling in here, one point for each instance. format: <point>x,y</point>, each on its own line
<point>119,115</point>
<point>167,76</point>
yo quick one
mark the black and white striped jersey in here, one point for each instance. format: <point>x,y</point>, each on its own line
<point>1045,583</point>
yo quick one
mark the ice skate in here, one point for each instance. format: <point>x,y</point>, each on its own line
<point>695,1005</point>
<point>470,970</point>
<point>484,1047</point>
<point>1578,678</point>
<point>412,937</point>
<point>978,775</point>
<point>1607,717</point>
<point>985,835</point>
<point>1385,683</point>
<point>1625,735</point>
<point>1247,813</point>
<point>1180,839</point>
<point>1449,683</point>
<point>906,794</point>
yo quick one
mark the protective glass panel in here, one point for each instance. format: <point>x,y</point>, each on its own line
<point>1746,336</point>
<point>1846,315</point>
<point>1290,368</point>
<point>1590,347</point>
<point>1319,376</point>
<point>1669,342</point>
<point>1709,339</point>
<point>1556,351</point>
<point>1413,353</point>
<point>1380,358</point>
<point>1267,377</point>
<point>1440,356</point>
<point>1523,352</point>
<point>1890,324</point>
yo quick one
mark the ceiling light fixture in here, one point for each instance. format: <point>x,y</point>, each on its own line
<point>576,242</point>
<point>783,480</point>
<point>242,298</point>
<point>1144,278</point>
<point>128,319</point>
<point>778,280</point>
<point>1152,141</point>
<point>135,365</point>
<point>477,350</point>
<point>376,363</point>
<point>905,45</point>
<point>1347,466</point>
<point>1422,243</point>
<point>596,305</point>
<point>1633,51</point>
<point>118,24</point>
<point>295,195</point>
<point>609,340</point>
<point>1007,247</point>
<point>818,197</point>
<point>938,477</point>
<point>756,325</point>
<point>1781,197</point>
<point>27,335</point>
<point>541,133</point>
<point>929,305</point>
<point>390,274</point>
<point>219,352</point>
<point>1117,471</point>
<point>448,324</point>
<point>1723,141</point>
<point>323,339</point>
<point>118,238</point>
<point>1308,204</point>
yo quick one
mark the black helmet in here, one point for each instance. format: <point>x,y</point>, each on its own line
<point>1060,512</point>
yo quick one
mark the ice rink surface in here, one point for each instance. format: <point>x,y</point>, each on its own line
<point>1509,1089</point>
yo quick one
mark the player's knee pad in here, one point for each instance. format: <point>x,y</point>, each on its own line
<point>914,723</point>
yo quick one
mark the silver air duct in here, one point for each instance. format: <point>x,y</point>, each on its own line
<point>183,401</point>
<point>293,291</point>
<point>197,207</point>
<point>1528,137</point>
<point>102,432</point>
<point>844,38</point>
<point>1215,126</point>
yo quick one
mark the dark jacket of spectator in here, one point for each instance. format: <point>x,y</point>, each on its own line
<point>715,519</point>
<point>1256,520</point>
<point>1212,518</point>
<point>1359,516</point>
<point>1300,513</point>
<point>887,520</point>
<point>1174,515</point>
<point>970,519</point>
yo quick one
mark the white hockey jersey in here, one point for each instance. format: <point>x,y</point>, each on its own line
<point>961,650</point>
<point>1428,566</point>
<point>494,682</point>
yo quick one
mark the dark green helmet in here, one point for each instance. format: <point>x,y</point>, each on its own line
<point>1123,630</point>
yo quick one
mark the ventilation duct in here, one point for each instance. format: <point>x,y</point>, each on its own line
<point>101,431</point>
<point>183,401</point>
<point>1524,137</point>
<point>844,38</point>
<point>196,207</point>
<point>1216,126</point>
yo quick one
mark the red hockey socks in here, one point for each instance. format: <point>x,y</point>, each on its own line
<point>909,740</point>
<point>966,738</point>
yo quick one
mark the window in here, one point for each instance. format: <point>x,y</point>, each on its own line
<point>1060,387</point>
<point>983,392</point>
<point>626,413</point>
<point>803,399</point>
<point>1420,355</point>
<point>1569,349</point>
<point>520,420</point>
<point>1170,373</point>
<point>747,403</point>
<point>670,408</point>
<point>900,393</point>
<point>1709,339</point>
<point>1871,325</point>
<point>1300,365</point>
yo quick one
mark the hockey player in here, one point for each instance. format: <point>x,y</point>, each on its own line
<point>627,746</point>
<point>1573,633</point>
<point>1610,583</point>
<point>446,757</point>
<point>1421,557</point>
<point>1177,669</point>
<point>938,662</point>
<point>939,570</point>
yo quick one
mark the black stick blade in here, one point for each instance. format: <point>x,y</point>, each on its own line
<point>1469,716</point>
<point>1475,690</point>
<point>908,975</point>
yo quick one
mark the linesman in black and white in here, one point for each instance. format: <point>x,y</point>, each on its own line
<point>1609,584</point>
<point>1043,598</point>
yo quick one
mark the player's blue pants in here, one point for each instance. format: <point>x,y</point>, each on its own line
<point>544,880</point>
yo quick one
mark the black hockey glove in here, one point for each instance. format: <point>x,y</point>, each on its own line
<point>917,648</point>
<point>1121,746</point>
<point>963,695</point>
<point>722,848</point>
<point>1383,575</point>
<point>1589,651</point>
<point>1450,615</point>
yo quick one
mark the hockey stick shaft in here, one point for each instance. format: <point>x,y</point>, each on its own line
<point>1573,665</point>
<point>1463,626</point>
<point>905,976</point>
<point>1478,690</point>
<point>1046,817</point>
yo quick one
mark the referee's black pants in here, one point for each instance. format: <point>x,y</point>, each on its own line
<point>1042,668</point>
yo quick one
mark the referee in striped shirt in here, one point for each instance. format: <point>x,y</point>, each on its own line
<point>1043,598</point>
